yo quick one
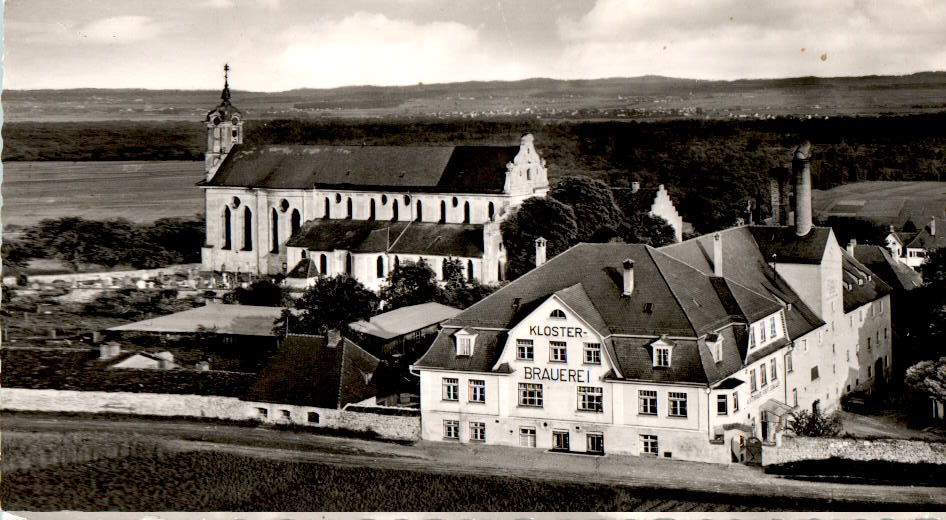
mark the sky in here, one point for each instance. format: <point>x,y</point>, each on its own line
<point>275,45</point>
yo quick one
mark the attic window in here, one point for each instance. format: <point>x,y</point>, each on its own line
<point>465,343</point>
<point>662,351</point>
<point>715,343</point>
<point>557,314</point>
<point>648,308</point>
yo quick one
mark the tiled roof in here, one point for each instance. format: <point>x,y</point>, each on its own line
<point>405,320</point>
<point>894,273</point>
<point>636,359</point>
<point>306,371</point>
<point>438,169</point>
<point>378,236</point>
<point>443,352</point>
<point>789,247</point>
<point>861,285</point>
<point>578,301</point>
<point>744,264</point>
<point>924,239</point>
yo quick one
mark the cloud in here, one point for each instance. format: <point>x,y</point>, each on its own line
<point>120,29</point>
<point>366,48</point>
<point>727,39</point>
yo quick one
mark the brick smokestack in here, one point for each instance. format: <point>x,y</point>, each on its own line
<point>540,244</point>
<point>717,255</point>
<point>801,168</point>
<point>628,288</point>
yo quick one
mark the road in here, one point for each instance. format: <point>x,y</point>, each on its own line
<point>463,459</point>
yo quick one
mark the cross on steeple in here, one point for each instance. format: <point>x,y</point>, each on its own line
<point>225,95</point>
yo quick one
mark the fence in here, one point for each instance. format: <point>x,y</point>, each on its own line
<point>792,449</point>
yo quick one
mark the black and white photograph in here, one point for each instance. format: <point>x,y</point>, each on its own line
<point>269,259</point>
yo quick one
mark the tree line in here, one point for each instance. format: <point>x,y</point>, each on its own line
<point>712,168</point>
<point>79,242</point>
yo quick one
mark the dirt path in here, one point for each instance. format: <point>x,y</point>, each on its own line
<point>460,459</point>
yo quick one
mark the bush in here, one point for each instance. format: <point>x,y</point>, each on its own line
<point>815,424</point>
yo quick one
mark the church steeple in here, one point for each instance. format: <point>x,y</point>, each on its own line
<point>224,128</point>
<point>225,94</point>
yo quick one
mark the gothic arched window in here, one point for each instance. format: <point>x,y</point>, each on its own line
<point>226,227</point>
<point>296,221</point>
<point>247,229</point>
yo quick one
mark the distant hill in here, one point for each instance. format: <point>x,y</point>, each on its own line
<point>641,98</point>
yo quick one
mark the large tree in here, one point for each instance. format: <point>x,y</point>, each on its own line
<point>591,201</point>
<point>331,303</point>
<point>459,290</point>
<point>536,217</point>
<point>647,229</point>
<point>261,292</point>
<point>410,283</point>
<point>928,378</point>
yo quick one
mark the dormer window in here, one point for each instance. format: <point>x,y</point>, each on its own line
<point>465,342</point>
<point>662,350</point>
<point>715,344</point>
<point>557,314</point>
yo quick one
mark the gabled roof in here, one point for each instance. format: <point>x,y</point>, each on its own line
<point>306,371</point>
<point>238,320</point>
<point>744,264</point>
<point>405,320</point>
<point>861,285</point>
<point>437,169</point>
<point>897,275</point>
<point>374,236</point>
<point>578,301</point>
<point>789,247</point>
<point>925,239</point>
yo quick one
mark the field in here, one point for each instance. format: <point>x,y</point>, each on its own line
<point>883,202</point>
<point>136,190</point>
<point>82,472</point>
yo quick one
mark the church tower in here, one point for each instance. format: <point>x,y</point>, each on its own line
<point>224,129</point>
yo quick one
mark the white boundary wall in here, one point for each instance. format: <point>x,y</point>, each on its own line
<point>214,407</point>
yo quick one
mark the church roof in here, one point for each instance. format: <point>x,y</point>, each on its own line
<point>379,236</point>
<point>430,169</point>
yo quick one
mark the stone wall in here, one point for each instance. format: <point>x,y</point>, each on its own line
<point>384,425</point>
<point>792,449</point>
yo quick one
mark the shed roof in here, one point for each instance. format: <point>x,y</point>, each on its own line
<point>237,320</point>
<point>405,320</point>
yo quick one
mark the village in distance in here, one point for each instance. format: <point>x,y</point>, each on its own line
<point>644,294</point>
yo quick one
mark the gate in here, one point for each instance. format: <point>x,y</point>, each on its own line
<point>753,452</point>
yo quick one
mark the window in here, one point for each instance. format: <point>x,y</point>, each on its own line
<point>722,404</point>
<point>464,345</point>
<point>848,355</point>
<point>593,353</point>
<point>763,377</point>
<point>804,344</point>
<point>274,231</point>
<point>557,351</point>
<point>313,417</point>
<point>752,383</point>
<point>380,267</point>
<point>761,332</point>
<point>735,402</point>
<point>527,437</point>
<point>868,343</point>
<point>885,362</point>
<point>590,399</point>
<point>661,357</point>
<point>451,389</point>
<point>751,337</point>
<point>880,305</point>
<point>773,372</point>
<point>530,394</point>
<point>262,412</point>
<point>466,212</point>
<point>719,351</point>
<point>557,314</point>
<point>814,373</point>
<point>649,445</point>
<point>869,375</point>
<point>772,327</point>
<point>788,363</point>
<point>795,396</point>
<point>451,429</point>
<point>226,227</point>
<point>524,349</point>
<point>323,264</point>
<point>595,443</point>
<point>295,223</point>
<point>247,229</point>
<point>678,404</point>
<point>647,400</point>
<point>286,414</point>
<point>477,391</point>
<point>478,431</point>
<point>885,332</point>
<point>560,440</point>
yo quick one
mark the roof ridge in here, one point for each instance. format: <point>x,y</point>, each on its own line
<point>650,251</point>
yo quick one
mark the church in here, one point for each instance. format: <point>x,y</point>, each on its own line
<point>359,210</point>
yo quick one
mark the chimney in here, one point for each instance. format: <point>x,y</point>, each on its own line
<point>933,226</point>
<point>801,168</point>
<point>717,254</point>
<point>890,229</point>
<point>851,245</point>
<point>332,338</point>
<point>628,277</point>
<point>166,360</point>
<point>635,186</point>
<point>109,350</point>
<point>540,251</point>
<point>774,201</point>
